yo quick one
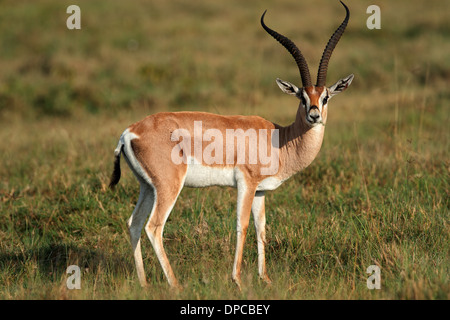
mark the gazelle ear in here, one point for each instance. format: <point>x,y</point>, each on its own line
<point>287,87</point>
<point>341,85</point>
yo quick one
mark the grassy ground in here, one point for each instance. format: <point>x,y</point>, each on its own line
<point>378,193</point>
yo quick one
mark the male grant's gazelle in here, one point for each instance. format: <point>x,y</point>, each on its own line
<point>164,165</point>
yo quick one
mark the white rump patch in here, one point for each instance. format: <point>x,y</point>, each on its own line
<point>133,163</point>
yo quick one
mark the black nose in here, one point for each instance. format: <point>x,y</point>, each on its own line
<point>314,113</point>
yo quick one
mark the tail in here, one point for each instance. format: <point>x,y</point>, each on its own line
<point>115,177</point>
<point>124,146</point>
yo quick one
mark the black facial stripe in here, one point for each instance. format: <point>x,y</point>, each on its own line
<point>303,100</point>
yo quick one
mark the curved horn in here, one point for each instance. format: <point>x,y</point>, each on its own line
<point>293,50</point>
<point>323,67</point>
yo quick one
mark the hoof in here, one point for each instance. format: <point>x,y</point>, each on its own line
<point>176,287</point>
<point>237,281</point>
<point>266,280</point>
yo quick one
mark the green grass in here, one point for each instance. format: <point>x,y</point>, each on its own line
<point>378,193</point>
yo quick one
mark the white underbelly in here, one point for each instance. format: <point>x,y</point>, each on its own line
<point>199,176</point>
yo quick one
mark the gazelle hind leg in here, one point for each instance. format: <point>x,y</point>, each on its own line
<point>165,201</point>
<point>259,217</point>
<point>136,222</point>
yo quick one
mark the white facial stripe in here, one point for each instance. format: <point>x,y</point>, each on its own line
<point>308,101</point>
<point>322,96</point>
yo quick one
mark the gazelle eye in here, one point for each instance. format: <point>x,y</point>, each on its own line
<point>325,100</point>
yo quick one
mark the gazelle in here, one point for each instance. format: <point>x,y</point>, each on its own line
<point>149,147</point>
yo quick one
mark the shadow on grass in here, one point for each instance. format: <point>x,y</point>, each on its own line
<point>50,262</point>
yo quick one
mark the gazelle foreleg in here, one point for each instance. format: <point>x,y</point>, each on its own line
<point>245,196</point>
<point>259,217</point>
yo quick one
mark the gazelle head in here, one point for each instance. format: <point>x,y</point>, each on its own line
<point>313,98</point>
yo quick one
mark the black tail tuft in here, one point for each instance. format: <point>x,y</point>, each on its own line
<point>115,177</point>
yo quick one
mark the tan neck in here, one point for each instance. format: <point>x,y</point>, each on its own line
<point>299,145</point>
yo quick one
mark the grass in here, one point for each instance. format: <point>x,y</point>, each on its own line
<point>378,193</point>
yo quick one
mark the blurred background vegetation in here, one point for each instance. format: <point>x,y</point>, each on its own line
<point>206,55</point>
<point>377,194</point>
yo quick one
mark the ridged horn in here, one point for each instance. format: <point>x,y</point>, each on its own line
<point>293,50</point>
<point>323,66</point>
